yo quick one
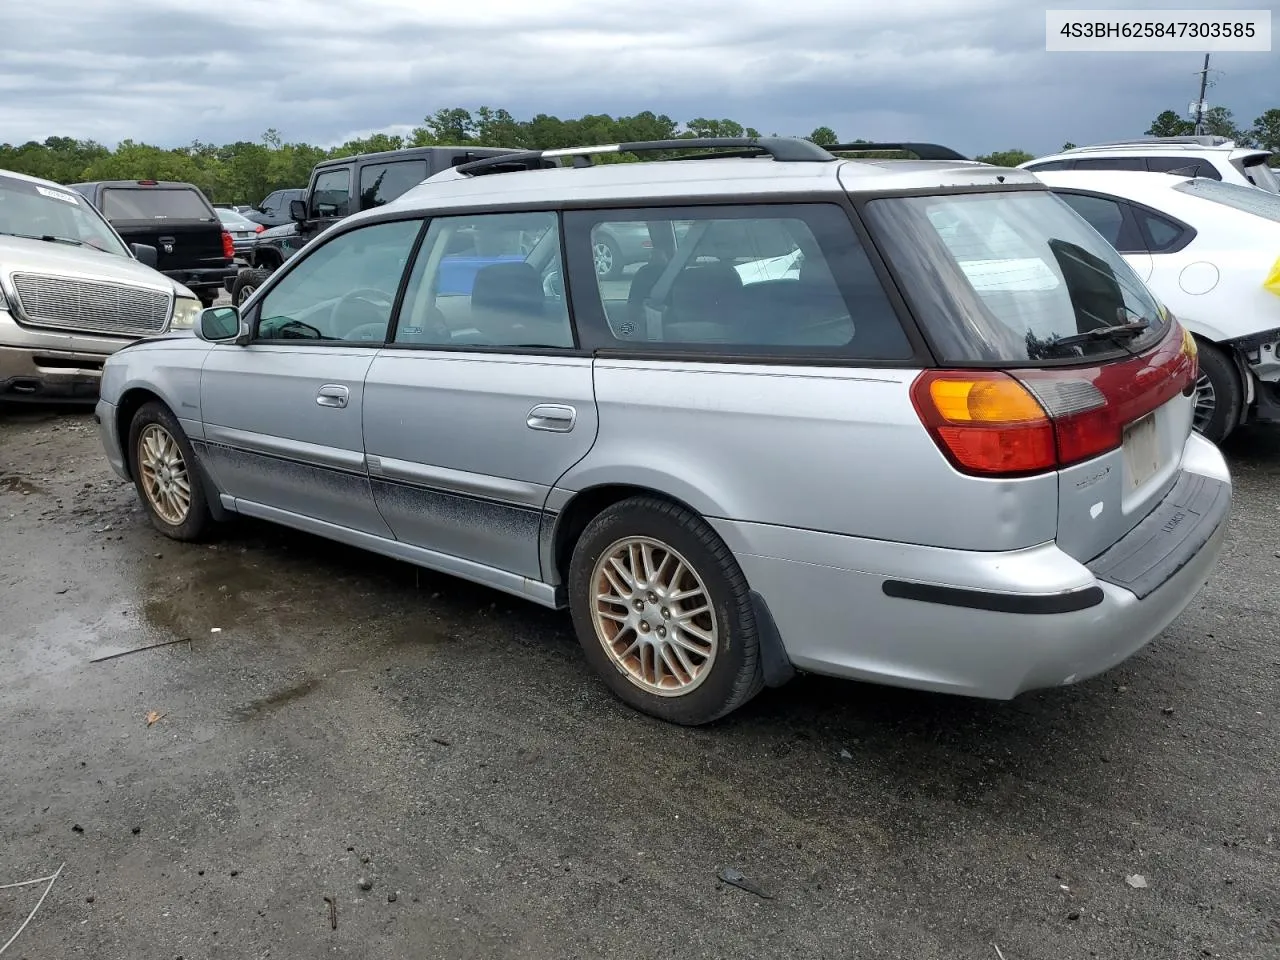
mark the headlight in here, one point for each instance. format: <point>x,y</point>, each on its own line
<point>185,313</point>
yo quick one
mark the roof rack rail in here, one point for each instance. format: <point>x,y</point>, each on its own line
<point>925,151</point>
<point>782,149</point>
<point>1200,141</point>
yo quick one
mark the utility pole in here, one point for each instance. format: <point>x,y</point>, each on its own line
<point>1204,82</point>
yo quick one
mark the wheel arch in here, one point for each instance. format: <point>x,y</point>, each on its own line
<point>131,401</point>
<point>584,505</point>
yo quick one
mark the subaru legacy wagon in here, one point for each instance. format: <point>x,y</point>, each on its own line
<point>905,421</point>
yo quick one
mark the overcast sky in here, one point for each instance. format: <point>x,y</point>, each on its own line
<point>972,74</point>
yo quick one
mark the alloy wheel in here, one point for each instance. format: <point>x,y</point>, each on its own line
<point>654,616</point>
<point>165,482</point>
<point>602,254</point>
<point>1205,405</point>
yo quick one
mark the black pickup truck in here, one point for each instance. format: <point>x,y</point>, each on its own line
<point>339,188</point>
<point>176,219</point>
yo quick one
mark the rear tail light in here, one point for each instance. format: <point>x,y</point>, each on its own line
<point>986,422</point>
<point>228,245</point>
<point>259,228</point>
<point>998,424</point>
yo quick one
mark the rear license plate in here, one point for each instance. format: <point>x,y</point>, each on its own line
<point>1141,451</point>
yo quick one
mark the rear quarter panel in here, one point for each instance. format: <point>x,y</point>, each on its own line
<point>838,450</point>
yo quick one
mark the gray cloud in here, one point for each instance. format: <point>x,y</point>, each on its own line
<point>973,75</point>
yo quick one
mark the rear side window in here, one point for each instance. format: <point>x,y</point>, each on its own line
<point>1050,165</point>
<point>1111,163</point>
<point>1011,277</point>
<point>775,279</point>
<point>151,203</point>
<point>1184,166</point>
<point>331,196</point>
<point>381,183</point>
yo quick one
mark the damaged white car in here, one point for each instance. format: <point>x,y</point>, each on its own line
<point>1211,252</point>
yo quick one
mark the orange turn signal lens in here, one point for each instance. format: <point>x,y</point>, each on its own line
<point>984,401</point>
<point>986,423</point>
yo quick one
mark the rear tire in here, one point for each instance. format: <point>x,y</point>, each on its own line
<point>166,474</point>
<point>1219,393</point>
<point>247,281</point>
<point>689,588</point>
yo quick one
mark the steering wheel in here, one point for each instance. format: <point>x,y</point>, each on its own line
<point>368,296</point>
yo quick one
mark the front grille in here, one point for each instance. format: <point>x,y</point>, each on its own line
<point>91,305</point>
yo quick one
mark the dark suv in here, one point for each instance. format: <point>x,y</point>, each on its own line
<point>177,219</point>
<point>339,188</point>
<point>273,210</point>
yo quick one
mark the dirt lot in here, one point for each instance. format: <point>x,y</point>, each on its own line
<point>334,717</point>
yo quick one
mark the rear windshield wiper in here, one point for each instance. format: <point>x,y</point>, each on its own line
<point>1119,332</point>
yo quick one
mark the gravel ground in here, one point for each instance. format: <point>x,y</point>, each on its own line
<point>333,717</point>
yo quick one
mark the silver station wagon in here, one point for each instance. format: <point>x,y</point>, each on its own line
<point>904,421</point>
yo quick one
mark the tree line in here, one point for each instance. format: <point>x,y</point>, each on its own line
<point>246,171</point>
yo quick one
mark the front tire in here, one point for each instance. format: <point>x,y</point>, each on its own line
<point>165,474</point>
<point>664,613</point>
<point>1219,394</point>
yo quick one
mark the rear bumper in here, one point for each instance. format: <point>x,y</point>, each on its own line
<point>204,278</point>
<point>989,625</point>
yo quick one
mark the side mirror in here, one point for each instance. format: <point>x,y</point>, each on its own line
<point>298,210</point>
<point>145,254</point>
<point>222,325</point>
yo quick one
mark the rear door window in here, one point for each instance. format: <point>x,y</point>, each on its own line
<point>1184,167</point>
<point>1104,215</point>
<point>380,183</point>
<point>1111,163</point>
<point>773,280</point>
<point>1007,277</point>
<point>152,203</point>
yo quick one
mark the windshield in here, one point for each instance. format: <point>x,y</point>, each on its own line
<point>1008,277</point>
<point>154,203</point>
<point>233,219</point>
<point>1235,195</point>
<point>34,210</point>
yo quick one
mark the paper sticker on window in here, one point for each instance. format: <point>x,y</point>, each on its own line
<point>57,195</point>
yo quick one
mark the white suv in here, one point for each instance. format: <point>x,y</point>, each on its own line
<point>1216,158</point>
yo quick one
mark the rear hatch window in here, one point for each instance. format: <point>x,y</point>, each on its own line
<point>152,203</point>
<point>1254,167</point>
<point>1014,278</point>
<point>1234,195</point>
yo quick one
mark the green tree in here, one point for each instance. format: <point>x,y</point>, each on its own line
<point>702,127</point>
<point>1006,158</point>
<point>1068,145</point>
<point>824,137</point>
<point>1220,122</point>
<point>1266,129</point>
<point>1168,124</point>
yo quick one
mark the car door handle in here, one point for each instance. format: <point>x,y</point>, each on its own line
<point>554,417</point>
<point>332,395</point>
